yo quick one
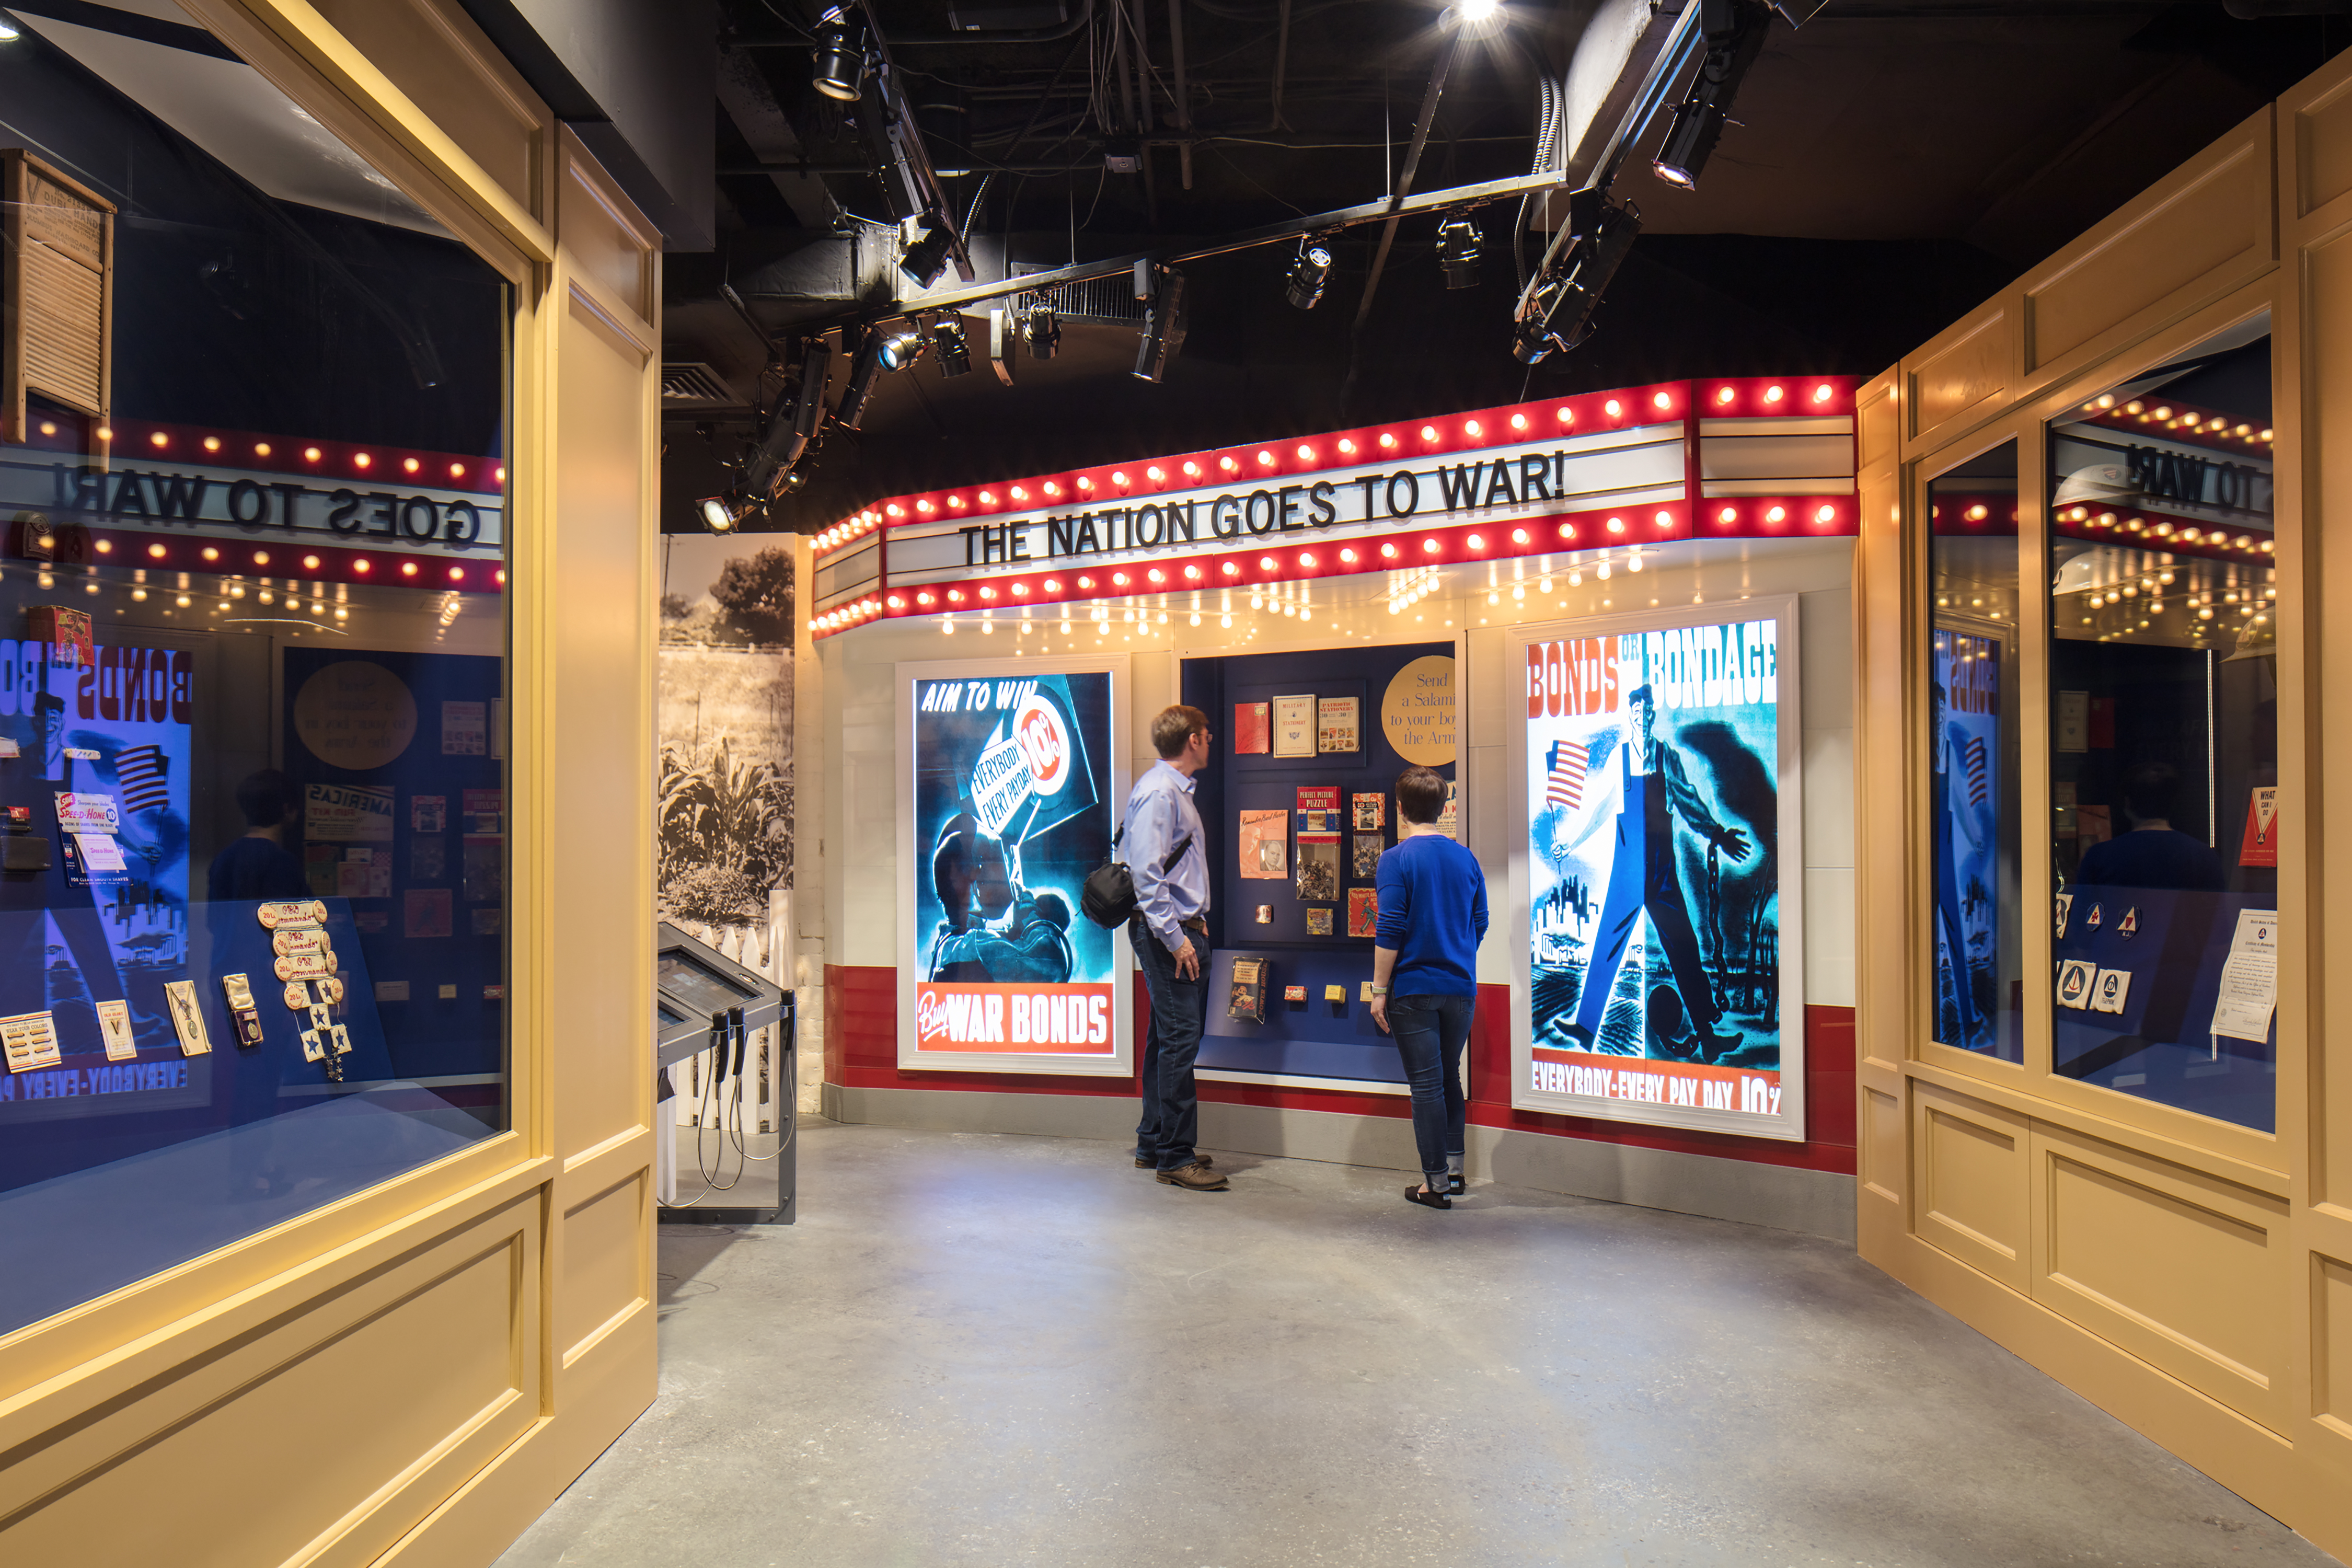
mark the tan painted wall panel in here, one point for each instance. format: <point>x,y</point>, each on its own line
<point>597,678</point>
<point>2183,1269</point>
<point>1968,369</point>
<point>2211,234</point>
<point>601,242</point>
<point>2331,1343</point>
<point>465,86</point>
<point>2322,150</point>
<point>293,1457</point>
<point>1881,1154</point>
<point>2326,472</point>
<point>604,1264</point>
<point>1969,1172</point>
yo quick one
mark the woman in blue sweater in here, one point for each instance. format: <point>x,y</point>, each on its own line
<point>1426,972</point>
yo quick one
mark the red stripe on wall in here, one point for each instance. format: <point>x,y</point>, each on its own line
<point>861,1051</point>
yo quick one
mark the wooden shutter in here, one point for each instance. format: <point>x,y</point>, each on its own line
<point>57,292</point>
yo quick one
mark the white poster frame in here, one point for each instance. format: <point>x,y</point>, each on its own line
<point>1787,1123</point>
<point>1120,1062</point>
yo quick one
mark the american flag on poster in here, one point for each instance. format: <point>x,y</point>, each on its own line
<point>144,772</point>
<point>1564,767</point>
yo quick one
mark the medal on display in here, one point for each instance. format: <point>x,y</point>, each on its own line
<point>239,991</point>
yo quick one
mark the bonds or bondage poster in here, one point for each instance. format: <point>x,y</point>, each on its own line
<point>1012,793</point>
<point>1655,781</point>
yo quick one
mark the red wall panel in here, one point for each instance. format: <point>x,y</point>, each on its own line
<point>861,1051</point>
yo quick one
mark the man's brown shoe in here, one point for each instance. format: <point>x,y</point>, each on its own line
<point>1196,1176</point>
<point>1153,1165</point>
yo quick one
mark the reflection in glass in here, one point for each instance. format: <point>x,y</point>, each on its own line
<point>2164,734</point>
<point>252,666</point>
<point>1972,754</point>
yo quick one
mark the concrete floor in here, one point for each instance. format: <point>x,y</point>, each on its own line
<point>982,1350</point>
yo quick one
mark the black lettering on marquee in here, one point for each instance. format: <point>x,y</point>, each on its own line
<point>473,528</point>
<point>432,518</point>
<point>130,496</point>
<point>1060,536</point>
<point>1499,482</point>
<point>181,495</point>
<point>287,496</point>
<point>343,517</point>
<point>1458,485</point>
<point>385,513</point>
<point>1185,526</point>
<point>1412,493</point>
<point>1018,534</point>
<point>1089,542</point>
<point>1319,493</point>
<point>1249,511</point>
<point>1225,516</point>
<point>248,504</point>
<point>1150,523</point>
<point>1533,473</point>
<point>1286,507</point>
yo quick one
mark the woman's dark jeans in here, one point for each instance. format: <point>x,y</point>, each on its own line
<point>1430,1032</point>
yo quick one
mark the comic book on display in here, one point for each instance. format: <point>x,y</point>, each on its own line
<point>1652,800</point>
<point>1363,911</point>
<point>1012,810</point>
<point>1247,999</point>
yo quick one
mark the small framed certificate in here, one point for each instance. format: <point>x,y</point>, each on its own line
<point>1294,726</point>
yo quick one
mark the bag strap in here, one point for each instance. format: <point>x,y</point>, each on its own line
<point>1175,854</point>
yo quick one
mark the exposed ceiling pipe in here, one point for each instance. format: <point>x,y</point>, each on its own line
<point>1404,175</point>
<point>1183,88</point>
<point>923,40</point>
<point>1281,68</point>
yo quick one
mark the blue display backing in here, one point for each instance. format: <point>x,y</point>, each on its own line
<point>2160,1046</point>
<point>1308,1039</point>
<point>1313,1038</point>
<point>426,1035</point>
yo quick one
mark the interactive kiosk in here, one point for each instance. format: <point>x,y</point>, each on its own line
<point>706,1007</point>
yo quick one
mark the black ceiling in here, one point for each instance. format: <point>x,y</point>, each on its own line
<point>1892,165</point>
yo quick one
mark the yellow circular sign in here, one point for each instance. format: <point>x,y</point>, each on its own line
<point>355,714</point>
<point>1417,711</point>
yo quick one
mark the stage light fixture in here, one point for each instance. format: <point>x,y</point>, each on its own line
<point>864,365</point>
<point>1310,275</point>
<point>1041,330</point>
<point>1163,325</point>
<point>924,260</point>
<point>791,424</point>
<point>955,351</point>
<point>900,349</point>
<point>1735,36</point>
<point>1457,253</point>
<point>721,513</point>
<point>1556,310</point>
<point>839,70</point>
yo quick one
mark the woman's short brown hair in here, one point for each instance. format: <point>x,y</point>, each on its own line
<point>1174,726</point>
<point>1419,794</point>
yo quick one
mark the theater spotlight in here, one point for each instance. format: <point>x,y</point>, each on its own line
<point>1457,253</point>
<point>840,68</point>
<point>1163,325</point>
<point>928,258</point>
<point>1735,36</point>
<point>864,365</point>
<point>1556,308</point>
<point>955,351</point>
<point>791,425</point>
<point>900,349</point>
<point>721,513</point>
<point>1042,330</point>
<point>1310,275</point>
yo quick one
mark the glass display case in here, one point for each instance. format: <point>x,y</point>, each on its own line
<point>253,531</point>
<point>2164,734</point>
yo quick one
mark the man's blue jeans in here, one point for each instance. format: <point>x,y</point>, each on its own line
<point>1430,1032</point>
<point>1171,1103</point>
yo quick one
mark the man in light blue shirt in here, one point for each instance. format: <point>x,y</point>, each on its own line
<point>1167,854</point>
